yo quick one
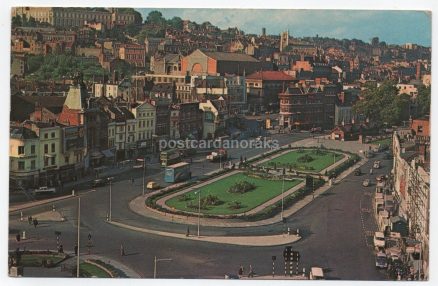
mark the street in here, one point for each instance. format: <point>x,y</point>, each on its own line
<point>333,230</point>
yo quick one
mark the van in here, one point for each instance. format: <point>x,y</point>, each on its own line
<point>316,273</point>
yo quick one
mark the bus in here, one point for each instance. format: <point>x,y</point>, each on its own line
<point>169,157</point>
<point>177,172</point>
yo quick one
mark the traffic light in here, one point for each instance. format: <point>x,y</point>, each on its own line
<point>76,249</point>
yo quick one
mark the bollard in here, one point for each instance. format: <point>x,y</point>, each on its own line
<point>298,232</point>
<point>304,271</point>
<point>21,216</point>
<point>288,231</point>
<point>107,216</point>
<point>73,193</point>
<point>53,208</point>
<point>24,235</point>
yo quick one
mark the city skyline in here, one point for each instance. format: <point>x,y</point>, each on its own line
<point>393,27</point>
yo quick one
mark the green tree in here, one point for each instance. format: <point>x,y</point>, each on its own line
<point>176,23</point>
<point>16,21</point>
<point>155,17</point>
<point>423,101</point>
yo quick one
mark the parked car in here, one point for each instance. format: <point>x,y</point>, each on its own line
<point>366,182</point>
<point>380,178</point>
<point>99,183</point>
<point>379,239</point>
<point>44,190</point>
<point>376,165</point>
<point>152,185</point>
<point>357,172</point>
<point>381,261</point>
<point>231,276</point>
<point>316,273</point>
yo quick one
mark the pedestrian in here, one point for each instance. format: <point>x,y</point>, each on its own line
<point>371,171</point>
<point>251,272</point>
<point>89,236</point>
<point>35,222</point>
<point>29,220</point>
<point>188,231</point>
<point>122,250</point>
<point>241,270</point>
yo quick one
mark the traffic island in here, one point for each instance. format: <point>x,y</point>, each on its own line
<point>266,240</point>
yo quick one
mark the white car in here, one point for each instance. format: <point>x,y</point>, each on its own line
<point>376,165</point>
<point>379,239</point>
<point>366,182</point>
<point>316,273</point>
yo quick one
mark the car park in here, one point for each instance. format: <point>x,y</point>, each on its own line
<point>381,261</point>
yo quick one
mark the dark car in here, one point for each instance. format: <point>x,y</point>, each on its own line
<point>99,183</point>
<point>357,172</point>
<point>381,261</point>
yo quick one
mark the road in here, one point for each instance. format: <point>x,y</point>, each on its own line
<point>333,228</point>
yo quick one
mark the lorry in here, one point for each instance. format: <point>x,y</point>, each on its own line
<point>220,154</point>
<point>169,157</point>
<point>177,172</point>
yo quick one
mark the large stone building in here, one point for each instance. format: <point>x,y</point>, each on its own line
<point>263,87</point>
<point>219,63</point>
<point>67,17</point>
<point>303,108</point>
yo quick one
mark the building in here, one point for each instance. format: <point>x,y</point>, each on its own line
<point>263,87</point>
<point>145,114</point>
<point>220,63</point>
<point>67,17</point>
<point>23,158</point>
<point>134,54</point>
<point>409,89</point>
<point>214,118</point>
<point>411,182</point>
<point>190,120</point>
<point>303,108</point>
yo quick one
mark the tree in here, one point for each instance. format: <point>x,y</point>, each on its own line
<point>176,23</point>
<point>16,21</point>
<point>423,101</point>
<point>155,17</point>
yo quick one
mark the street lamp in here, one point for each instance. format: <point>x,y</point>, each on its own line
<point>155,264</point>
<point>199,209</point>
<point>144,173</point>
<point>110,179</point>
<point>79,224</point>
<point>282,199</point>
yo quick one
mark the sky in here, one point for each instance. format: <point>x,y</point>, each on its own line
<point>393,27</point>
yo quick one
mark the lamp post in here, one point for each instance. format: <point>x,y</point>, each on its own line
<point>144,174</point>
<point>199,209</point>
<point>155,264</point>
<point>110,199</point>
<point>282,199</point>
<point>79,224</point>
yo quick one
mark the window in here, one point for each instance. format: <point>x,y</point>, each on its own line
<point>420,129</point>
<point>32,149</point>
<point>46,135</point>
<point>46,148</point>
<point>52,135</point>
<point>20,150</point>
<point>120,136</point>
<point>32,165</point>
<point>53,147</point>
<point>67,158</point>
<point>53,160</point>
<point>21,165</point>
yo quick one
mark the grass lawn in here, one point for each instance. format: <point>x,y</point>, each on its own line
<point>264,191</point>
<point>90,270</point>
<point>35,260</point>
<point>320,161</point>
<point>386,141</point>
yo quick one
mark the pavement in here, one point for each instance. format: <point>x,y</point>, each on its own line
<point>267,240</point>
